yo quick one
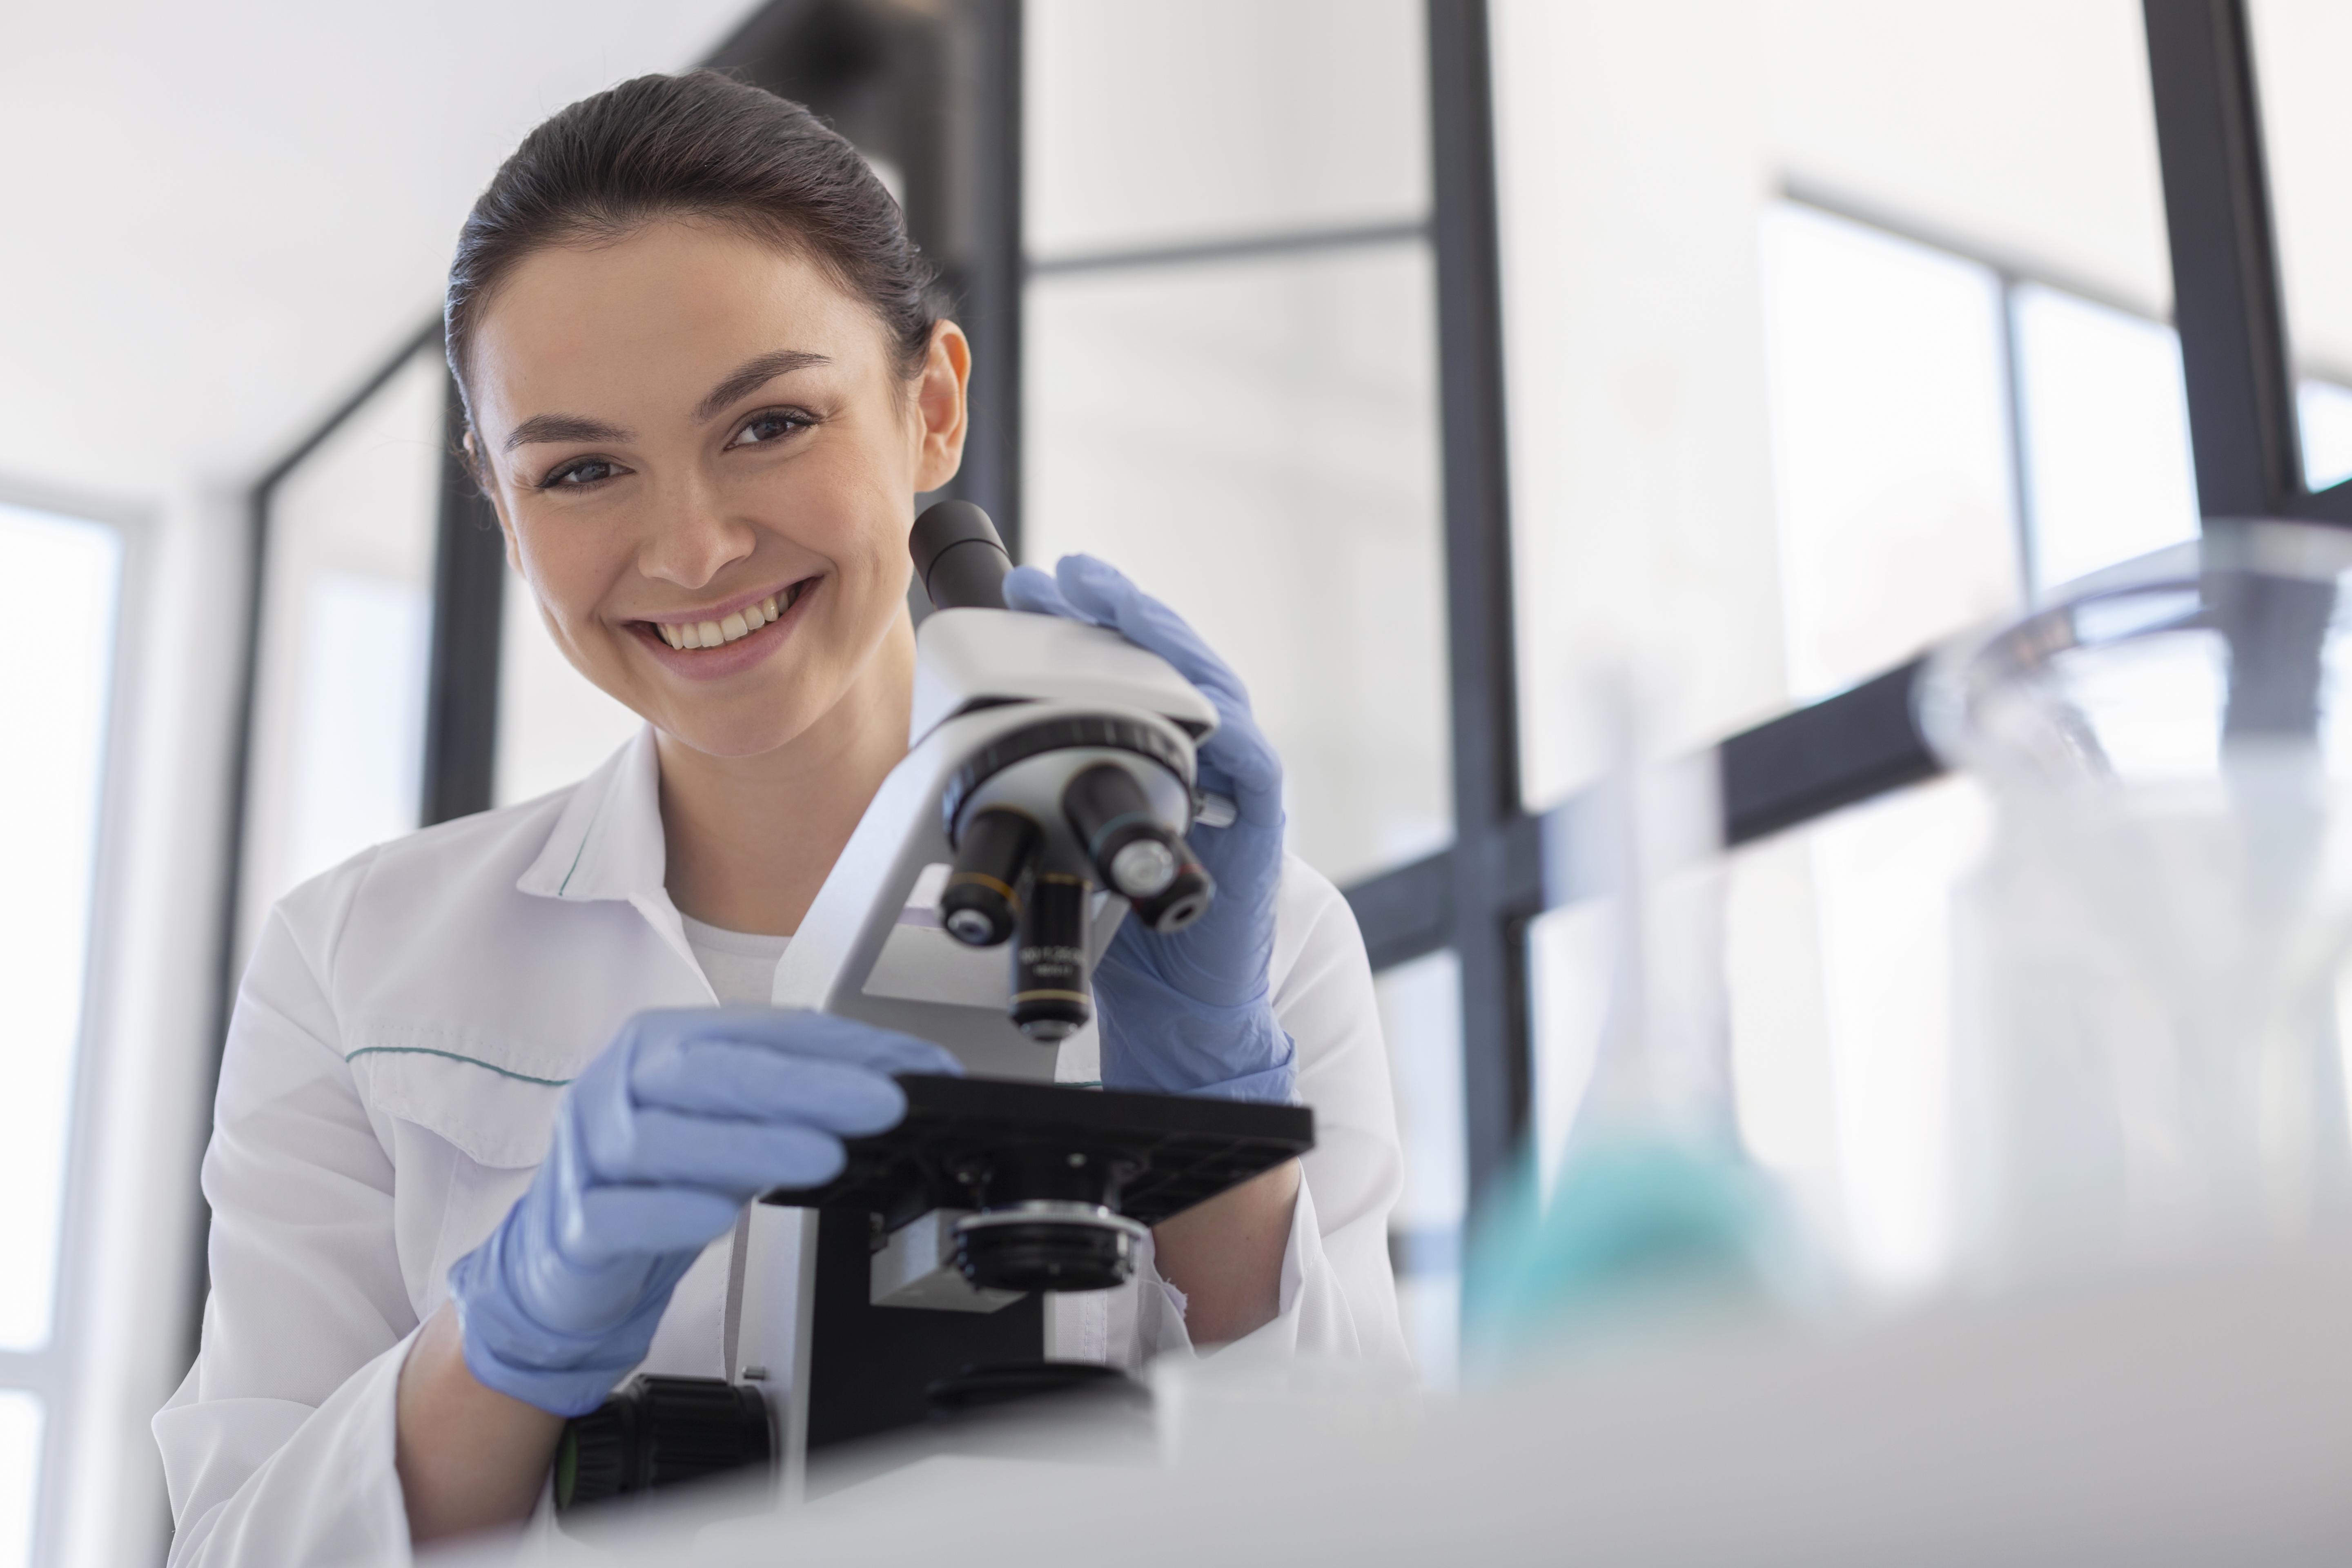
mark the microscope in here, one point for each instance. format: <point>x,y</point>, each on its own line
<point>1044,798</point>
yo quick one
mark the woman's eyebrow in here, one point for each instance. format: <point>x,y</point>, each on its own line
<point>752,374</point>
<point>563,428</point>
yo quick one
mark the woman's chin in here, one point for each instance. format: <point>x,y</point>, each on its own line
<point>733,742</point>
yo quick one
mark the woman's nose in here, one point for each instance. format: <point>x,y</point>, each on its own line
<point>692,540</point>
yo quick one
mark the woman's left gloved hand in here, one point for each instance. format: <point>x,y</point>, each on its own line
<point>1192,1012</point>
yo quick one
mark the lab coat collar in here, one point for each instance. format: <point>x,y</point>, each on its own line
<point>608,843</point>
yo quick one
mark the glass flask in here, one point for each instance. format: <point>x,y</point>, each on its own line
<point>1656,1221</point>
<point>2146,1063</point>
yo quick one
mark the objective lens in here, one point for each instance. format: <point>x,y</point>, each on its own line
<point>1185,899</point>
<point>981,904</point>
<point>1050,1000</point>
<point>1144,868</point>
<point>1136,855</point>
<point>973,927</point>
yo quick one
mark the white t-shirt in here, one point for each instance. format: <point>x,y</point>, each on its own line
<point>740,965</point>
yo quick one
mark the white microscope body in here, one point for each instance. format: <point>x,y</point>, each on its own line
<point>1049,761</point>
<point>873,946</point>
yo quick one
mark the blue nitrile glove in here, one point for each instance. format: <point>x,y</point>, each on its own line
<point>1190,1013</point>
<point>686,1117</point>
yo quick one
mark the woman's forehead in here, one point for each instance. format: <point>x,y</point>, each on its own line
<point>671,301</point>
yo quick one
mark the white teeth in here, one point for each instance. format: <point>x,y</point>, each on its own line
<point>740,623</point>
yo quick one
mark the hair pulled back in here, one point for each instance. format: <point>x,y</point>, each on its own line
<point>699,145</point>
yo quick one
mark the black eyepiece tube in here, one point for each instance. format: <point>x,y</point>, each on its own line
<point>958,557</point>
<point>981,902</point>
<point>1133,852</point>
<point>1050,999</point>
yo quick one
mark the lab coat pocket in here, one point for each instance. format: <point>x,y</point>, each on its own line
<point>472,1091</point>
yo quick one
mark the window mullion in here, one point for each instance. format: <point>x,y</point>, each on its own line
<point>1489,937</point>
<point>2225,281</point>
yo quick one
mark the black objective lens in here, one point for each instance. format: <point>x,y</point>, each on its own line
<point>980,905</point>
<point>1050,1001</point>
<point>1185,899</point>
<point>1134,853</point>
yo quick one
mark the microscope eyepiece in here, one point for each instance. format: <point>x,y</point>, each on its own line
<point>958,557</point>
<point>980,905</point>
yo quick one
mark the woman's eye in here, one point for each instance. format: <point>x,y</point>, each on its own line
<point>575,476</point>
<point>769,427</point>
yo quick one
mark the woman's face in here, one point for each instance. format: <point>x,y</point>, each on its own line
<point>705,459</point>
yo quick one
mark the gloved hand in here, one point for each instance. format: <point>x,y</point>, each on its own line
<point>686,1117</point>
<point>1190,1013</point>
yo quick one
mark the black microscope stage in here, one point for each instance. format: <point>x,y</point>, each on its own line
<point>967,1141</point>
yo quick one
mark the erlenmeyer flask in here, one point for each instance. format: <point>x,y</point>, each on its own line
<point>1656,1219</point>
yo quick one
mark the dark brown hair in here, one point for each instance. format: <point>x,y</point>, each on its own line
<point>699,145</point>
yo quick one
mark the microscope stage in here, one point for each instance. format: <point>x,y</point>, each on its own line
<point>1176,1150</point>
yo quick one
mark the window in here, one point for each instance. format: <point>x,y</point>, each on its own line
<point>1421,1011</point>
<point>555,725</point>
<point>2107,433</point>
<point>57,700</point>
<point>2324,411</point>
<point>1285,435</point>
<point>1250,223</point>
<point>2308,128</point>
<point>1775,432</point>
<point>337,751</point>
<point>1247,223</point>
<point>1890,412</point>
<point>1681,362</point>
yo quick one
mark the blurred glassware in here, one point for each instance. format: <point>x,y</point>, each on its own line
<point>2147,1061</point>
<point>1657,1220</point>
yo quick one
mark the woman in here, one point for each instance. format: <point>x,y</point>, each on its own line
<point>481,1136</point>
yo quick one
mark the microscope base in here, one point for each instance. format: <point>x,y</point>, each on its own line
<point>872,1365</point>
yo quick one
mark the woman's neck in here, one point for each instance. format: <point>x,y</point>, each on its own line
<point>752,839</point>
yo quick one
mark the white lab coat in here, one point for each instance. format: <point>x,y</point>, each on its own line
<point>401,1037</point>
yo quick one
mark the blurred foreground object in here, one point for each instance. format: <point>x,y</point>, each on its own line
<point>2188,1417</point>
<point>1657,1218</point>
<point>2146,1057</point>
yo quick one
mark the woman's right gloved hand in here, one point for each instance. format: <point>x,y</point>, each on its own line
<point>686,1117</point>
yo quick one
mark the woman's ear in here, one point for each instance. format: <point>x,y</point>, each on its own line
<point>940,391</point>
<point>485,480</point>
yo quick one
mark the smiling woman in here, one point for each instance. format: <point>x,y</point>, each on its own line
<point>482,1136</point>
<point>654,483</point>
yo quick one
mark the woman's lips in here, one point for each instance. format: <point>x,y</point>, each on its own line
<point>744,650</point>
